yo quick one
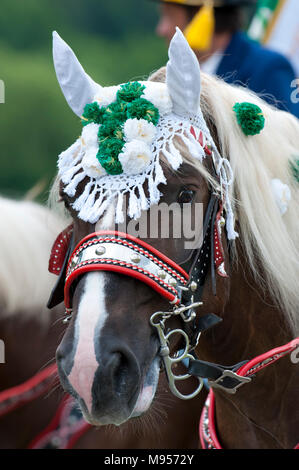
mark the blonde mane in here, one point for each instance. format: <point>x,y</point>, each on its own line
<point>269,239</point>
<point>28,231</point>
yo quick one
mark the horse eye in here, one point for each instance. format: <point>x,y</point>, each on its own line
<point>186,196</point>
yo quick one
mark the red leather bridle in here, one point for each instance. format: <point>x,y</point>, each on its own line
<point>125,254</point>
<point>207,426</point>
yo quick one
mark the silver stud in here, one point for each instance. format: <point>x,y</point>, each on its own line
<point>162,274</point>
<point>100,250</point>
<point>193,286</point>
<point>172,282</point>
<point>135,258</point>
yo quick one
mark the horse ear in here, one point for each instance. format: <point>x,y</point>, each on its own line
<point>77,87</point>
<point>183,76</point>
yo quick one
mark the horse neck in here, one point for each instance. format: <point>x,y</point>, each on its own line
<point>261,413</point>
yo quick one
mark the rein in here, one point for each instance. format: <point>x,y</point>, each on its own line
<point>207,426</point>
<point>15,397</point>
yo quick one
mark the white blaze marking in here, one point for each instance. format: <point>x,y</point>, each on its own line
<point>90,320</point>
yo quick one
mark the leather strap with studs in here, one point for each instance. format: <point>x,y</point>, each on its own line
<point>125,254</point>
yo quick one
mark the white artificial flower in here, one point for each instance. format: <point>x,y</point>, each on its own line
<point>135,157</point>
<point>89,136</point>
<point>282,194</point>
<point>91,164</point>
<point>106,95</point>
<point>158,95</point>
<point>139,129</point>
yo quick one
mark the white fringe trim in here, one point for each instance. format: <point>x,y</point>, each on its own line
<point>99,192</point>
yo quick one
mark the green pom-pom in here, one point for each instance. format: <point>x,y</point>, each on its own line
<point>295,169</point>
<point>250,118</point>
<point>111,145</point>
<point>116,113</point>
<point>92,113</point>
<point>110,129</point>
<point>130,91</point>
<point>143,109</point>
<point>111,118</point>
<point>110,163</point>
<point>109,149</point>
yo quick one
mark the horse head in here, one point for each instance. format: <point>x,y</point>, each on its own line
<point>138,299</point>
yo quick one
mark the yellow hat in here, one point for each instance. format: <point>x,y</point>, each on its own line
<point>217,3</point>
<point>199,32</point>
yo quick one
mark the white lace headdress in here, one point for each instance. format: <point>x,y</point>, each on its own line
<point>127,128</point>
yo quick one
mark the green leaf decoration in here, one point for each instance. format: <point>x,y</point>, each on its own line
<point>250,118</point>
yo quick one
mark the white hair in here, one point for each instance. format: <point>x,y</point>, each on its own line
<point>270,240</point>
<point>27,233</point>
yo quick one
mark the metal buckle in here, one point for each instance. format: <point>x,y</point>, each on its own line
<point>158,321</point>
<point>229,373</point>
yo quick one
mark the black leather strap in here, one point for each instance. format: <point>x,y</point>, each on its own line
<point>224,377</point>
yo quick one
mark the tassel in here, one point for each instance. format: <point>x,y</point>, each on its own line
<point>71,188</point>
<point>79,203</point>
<point>199,32</point>
<point>173,156</point>
<point>195,149</point>
<point>119,215</point>
<point>143,199</point>
<point>134,206</point>
<point>88,207</point>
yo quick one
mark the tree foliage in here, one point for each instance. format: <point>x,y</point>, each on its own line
<point>115,42</point>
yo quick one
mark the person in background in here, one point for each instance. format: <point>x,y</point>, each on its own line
<point>215,31</point>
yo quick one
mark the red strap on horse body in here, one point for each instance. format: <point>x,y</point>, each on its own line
<point>65,428</point>
<point>122,253</point>
<point>207,427</point>
<point>28,391</point>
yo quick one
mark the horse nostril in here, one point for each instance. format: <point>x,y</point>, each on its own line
<point>122,372</point>
<point>120,369</point>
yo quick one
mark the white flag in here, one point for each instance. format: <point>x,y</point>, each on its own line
<point>283,32</point>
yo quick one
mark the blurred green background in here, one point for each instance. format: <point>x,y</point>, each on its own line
<point>114,40</point>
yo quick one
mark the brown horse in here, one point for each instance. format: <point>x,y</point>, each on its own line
<point>117,301</point>
<point>31,333</point>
